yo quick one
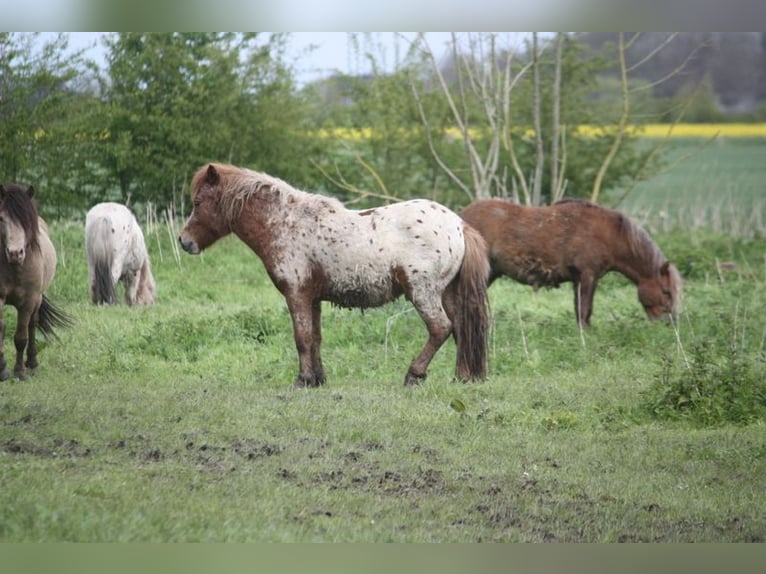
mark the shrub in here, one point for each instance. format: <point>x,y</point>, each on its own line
<point>712,389</point>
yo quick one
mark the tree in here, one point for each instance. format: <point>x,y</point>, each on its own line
<point>519,115</point>
<point>377,143</point>
<point>168,101</point>
<point>177,100</point>
<point>39,107</point>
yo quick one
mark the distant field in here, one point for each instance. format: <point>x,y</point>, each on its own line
<point>718,186</point>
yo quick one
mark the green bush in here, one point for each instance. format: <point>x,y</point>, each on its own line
<point>712,388</point>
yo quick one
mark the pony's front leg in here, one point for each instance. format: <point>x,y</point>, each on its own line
<point>584,288</point>
<point>306,315</point>
<point>20,340</point>
<point>4,373</point>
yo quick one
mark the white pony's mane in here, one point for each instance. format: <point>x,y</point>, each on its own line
<point>239,185</point>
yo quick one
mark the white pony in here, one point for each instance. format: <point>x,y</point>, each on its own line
<point>116,252</point>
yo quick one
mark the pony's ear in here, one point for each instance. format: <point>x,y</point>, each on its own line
<point>212,176</point>
<point>31,191</point>
<point>2,191</point>
<point>665,268</point>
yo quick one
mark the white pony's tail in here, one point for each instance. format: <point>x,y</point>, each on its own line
<point>97,245</point>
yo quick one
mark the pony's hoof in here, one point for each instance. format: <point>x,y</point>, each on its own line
<point>413,380</point>
<point>301,383</point>
<point>4,375</point>
<point>20,375</point>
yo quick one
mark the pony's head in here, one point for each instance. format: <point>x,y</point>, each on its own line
<point>18,221</point>
<point>661,294</point>
<point>207,223</point>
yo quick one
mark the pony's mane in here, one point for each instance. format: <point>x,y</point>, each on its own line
<point>641,244</point>
<point>638,239</point>
<point>21,208</point>
<point>237,185</point>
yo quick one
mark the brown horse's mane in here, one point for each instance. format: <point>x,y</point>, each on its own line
<point>21,207</point>
<point>639,241</point>
<point>237,185</point>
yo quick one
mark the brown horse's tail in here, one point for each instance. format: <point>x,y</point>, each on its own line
<point>51,317</point>
<point>471,313</point>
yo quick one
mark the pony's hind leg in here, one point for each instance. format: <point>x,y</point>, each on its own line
<point>31,362</point>
<point>439,329</point>
<point>130,282</point>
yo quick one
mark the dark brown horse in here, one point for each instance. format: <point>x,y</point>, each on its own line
<point>27,267</point>
<point>314,250</point>
<point>575,241</point>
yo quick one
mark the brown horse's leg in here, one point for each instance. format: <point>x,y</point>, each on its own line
<point>302,310</point>
<point>450,306</point>
<point>4,374</point>
<point>584,288</point>
<point>439,328</point>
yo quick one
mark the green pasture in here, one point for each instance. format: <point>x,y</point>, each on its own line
<point>716,184</point>
<point>178,422</point>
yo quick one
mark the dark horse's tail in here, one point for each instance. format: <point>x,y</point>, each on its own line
<point>51,317</point>
<point>471,313</point>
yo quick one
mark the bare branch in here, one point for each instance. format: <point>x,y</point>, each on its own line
<point>677,70</point>
<point>536,112</point>
<point>343,184</point>
<point>653,53</point>
<point>555,116</point>
<point>623,120</point>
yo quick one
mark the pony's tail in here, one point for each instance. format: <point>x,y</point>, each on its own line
<point>100,258</point>
<point>472,309</point>
<point>51,317</point>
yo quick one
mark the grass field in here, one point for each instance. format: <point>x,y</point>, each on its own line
<point>715,185</point>
<point>179,423</point>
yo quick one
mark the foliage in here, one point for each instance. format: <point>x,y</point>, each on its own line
<point>168,102</point>
<point>394,146</point>
<point>584,101</point>
<point>177,100</point>
<point>41,88</point>
<point>714,388</point>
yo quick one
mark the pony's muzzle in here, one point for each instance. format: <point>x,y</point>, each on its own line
<point>188,245</point>
<point>15,256</point>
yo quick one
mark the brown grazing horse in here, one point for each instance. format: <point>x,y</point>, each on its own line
<point>314,250</point>
<point>27,267</point>
<point>576,241</point>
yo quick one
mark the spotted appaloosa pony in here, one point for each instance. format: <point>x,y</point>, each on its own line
<point>314,250</point>
<point>27,267</point>
<point>576,241</point>
<point>116,252</point>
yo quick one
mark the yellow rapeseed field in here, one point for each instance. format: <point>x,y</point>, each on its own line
<point>733,130</point>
